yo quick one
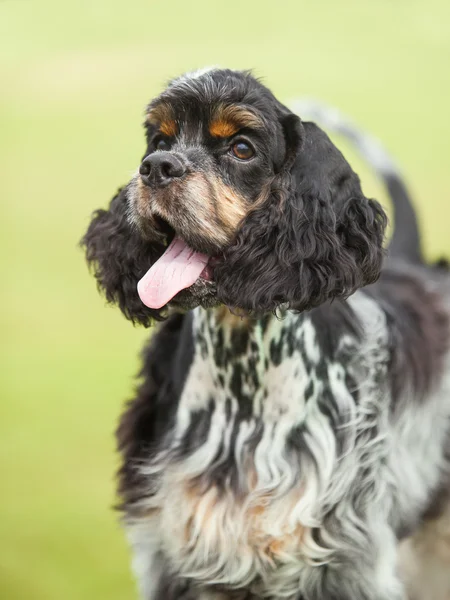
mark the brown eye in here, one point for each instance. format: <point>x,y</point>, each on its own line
<point>162,144</point>
<point>242,150</point>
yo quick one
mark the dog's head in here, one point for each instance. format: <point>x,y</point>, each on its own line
<point>236,201</point>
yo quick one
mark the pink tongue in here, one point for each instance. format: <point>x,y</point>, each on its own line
<point>178,268</point>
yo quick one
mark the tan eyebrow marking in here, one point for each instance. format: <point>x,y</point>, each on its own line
<point>221,128</point>
<point>168,128</point>
<point>227,120</point>
<point>162,116</point>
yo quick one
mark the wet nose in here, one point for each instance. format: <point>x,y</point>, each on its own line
<point>161,168</point>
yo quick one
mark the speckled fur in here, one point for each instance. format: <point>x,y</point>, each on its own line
<point>287,453</point>
<point>284,468</point>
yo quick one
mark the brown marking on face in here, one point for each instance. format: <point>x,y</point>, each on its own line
<point>231,206</point>
<point>162,117</point>
<point>199,203</point>
<point>160,113</point>
<point>223,129</point>
<point>189,205</point>
<point>204,204</point>
<point>228,120</point>
<point>168,128</point>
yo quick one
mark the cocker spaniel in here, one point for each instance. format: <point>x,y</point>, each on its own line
<point>290,437</point>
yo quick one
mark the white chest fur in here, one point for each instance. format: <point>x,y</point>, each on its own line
<point>268,465</point>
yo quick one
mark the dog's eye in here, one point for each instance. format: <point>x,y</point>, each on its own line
<point>162,144</point>
<point>242,150</point>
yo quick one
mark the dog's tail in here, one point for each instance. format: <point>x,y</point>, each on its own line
<point>405,241</point>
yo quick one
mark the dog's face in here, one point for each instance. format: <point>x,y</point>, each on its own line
<point>235,202</point>
<point>214,146</point>
<point>210,158</point>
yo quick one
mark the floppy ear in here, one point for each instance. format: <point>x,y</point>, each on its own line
<point>315,238</point>
<point>119,258</point>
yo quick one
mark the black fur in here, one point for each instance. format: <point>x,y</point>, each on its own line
<point>309,239</point>
<point>316,238</point>
<point>312,236</point>
<point>119,257</point>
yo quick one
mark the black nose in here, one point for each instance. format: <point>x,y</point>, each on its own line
<point>161,168</point>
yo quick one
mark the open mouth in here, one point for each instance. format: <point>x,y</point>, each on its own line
<point>177,269</point>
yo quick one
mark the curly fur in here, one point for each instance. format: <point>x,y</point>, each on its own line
<point>267,457</point>
<point>119,257</point>
<point>312,236</point>
<point>315,238</point>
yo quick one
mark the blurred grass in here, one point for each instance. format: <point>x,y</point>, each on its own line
<point>74,81</point>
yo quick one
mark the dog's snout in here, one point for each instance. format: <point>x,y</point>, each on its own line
<point>161,168</point>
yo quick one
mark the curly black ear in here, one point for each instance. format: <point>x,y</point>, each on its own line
<point>315,238</point>
<point>119,258</point>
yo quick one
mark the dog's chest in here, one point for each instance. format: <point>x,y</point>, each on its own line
<point>236,489</point>
<point>261,372</point>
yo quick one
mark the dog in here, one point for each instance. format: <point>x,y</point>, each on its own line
<point>290,436</point>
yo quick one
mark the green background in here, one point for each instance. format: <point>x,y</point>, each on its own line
<point>74,79</point>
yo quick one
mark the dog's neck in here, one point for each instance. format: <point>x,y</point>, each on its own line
<point>244,357</point>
